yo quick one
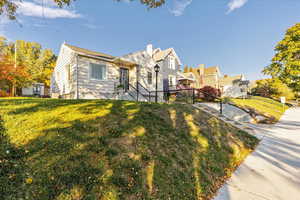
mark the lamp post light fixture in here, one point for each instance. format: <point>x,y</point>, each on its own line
<point>156,69</point>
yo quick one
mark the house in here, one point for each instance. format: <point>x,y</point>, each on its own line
<point>198,75</point>
<point>234,86</point>
<point>186,80</point>
<point>168,61</point>
<point>212,76</point>
<point>85,74</point>
<point>36,89</point>
<point>209,76</point>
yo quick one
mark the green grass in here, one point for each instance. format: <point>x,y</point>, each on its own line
<point>109,150</point>
<point>267,107</point>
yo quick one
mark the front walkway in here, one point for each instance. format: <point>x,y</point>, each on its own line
<point>272,172</point>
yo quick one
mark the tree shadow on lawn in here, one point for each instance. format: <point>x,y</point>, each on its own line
<point>13,169</point>
<point>35,105</point>
<point>134,151</point>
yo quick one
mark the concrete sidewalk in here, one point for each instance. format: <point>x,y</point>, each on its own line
<point>272,172</point>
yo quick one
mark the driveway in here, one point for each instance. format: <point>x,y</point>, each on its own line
<point>272,172</point>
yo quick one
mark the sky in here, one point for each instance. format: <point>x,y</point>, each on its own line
<point>237,35</point>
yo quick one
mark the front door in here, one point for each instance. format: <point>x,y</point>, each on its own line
<point>124,78</point>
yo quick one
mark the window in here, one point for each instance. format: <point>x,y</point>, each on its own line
<point>36,89</point>
<point>149,78</point>
<point>97,71</point>
<point>171,62</point>
<point>172,80</point>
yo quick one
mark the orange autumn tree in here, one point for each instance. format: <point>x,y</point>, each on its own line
<point>11,76</point>
<point>22,66</point>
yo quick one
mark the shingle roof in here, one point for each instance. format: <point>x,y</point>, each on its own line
<point>228,80</point>
<point>89,52</point>
<point>187,76</point>
<point>162,54</point>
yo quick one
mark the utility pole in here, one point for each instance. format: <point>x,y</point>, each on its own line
<point>15,54</point>
<point>13,86</point>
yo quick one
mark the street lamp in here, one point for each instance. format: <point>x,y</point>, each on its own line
<point>156,69</point>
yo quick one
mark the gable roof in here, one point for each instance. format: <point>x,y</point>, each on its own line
<point>161,55</point>
<point>98,55</point>
<point>89,52</point>
<point>229,80</point>
<point>186,76</point>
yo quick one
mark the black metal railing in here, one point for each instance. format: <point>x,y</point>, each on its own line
<point>187,95</point>
<point>148,93</point>
<point>137,92</point>
<point>181,95</point>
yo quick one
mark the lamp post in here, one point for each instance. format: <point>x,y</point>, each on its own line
<point>156,69</point>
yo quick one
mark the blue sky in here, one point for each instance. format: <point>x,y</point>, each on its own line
<point>237,35</point>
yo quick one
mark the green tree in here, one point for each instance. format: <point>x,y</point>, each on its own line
<point>286,62</point>
<point>36,63</point>
<point>9,7</point>
<point>273,88</point>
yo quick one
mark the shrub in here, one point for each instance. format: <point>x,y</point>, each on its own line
<point>3,93</point>
<point>272,88</point>
<point>208,93</point>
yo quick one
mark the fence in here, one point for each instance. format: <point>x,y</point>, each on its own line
<point>189,96</point>
<point>181,95</point>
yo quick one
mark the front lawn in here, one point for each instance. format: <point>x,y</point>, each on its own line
<point>100,149</point>
<point>269,108</point>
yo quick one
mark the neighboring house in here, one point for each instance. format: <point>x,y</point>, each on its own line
<point>198,74</point>
<point>186,80</point>
<point>234,86</point>
<point>169,64</point>
<point>85,74</point>
<point>212,77</point>
<point>36,89</point>
<point>209,76</point>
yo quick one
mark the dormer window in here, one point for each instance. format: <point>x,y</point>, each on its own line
<point>171,62</point>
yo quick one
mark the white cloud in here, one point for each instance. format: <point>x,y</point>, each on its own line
<point>46,2</point>
<point>180,6</point>
<point>235,4</point>
<point>36,10</point>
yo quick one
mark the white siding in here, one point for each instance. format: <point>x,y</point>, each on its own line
<point>146,64</point>
<point>100,89</point>
<point>60,83</point>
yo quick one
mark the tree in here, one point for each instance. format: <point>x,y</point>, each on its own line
<point>286,62</point>
<point>186,69</point>
<point>9,7</point>
<point>208,93</point>
<point>12,76</point>
<point>33,64</point>
<point>272,88</point>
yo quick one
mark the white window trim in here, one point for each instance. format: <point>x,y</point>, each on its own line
<point>173,78</point>
<point>90,73</point>
<point>172,63</point>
